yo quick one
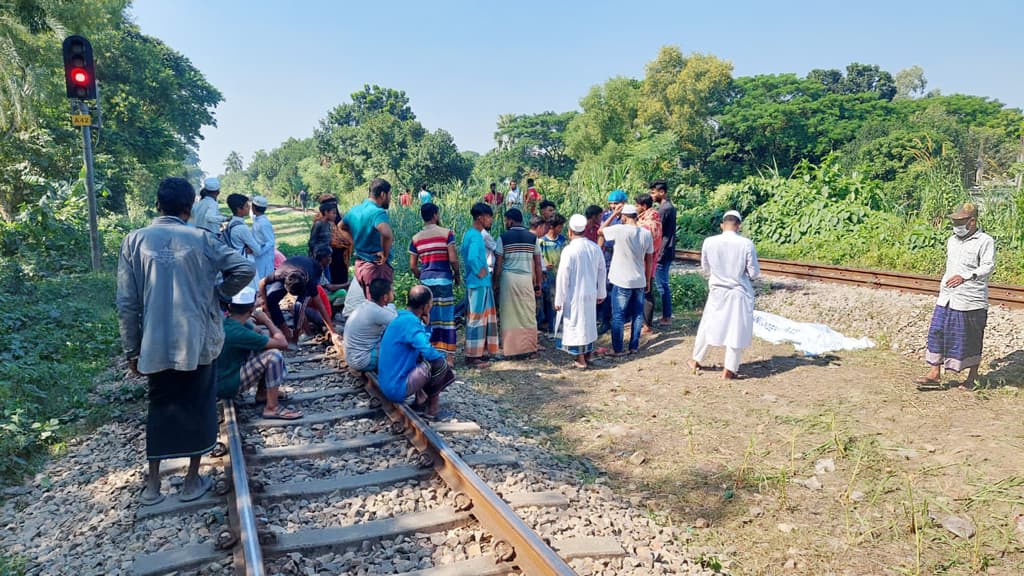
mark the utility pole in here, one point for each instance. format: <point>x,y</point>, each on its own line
<point>80,79</point>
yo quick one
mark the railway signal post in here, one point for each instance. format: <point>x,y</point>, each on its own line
<point>80,80</point>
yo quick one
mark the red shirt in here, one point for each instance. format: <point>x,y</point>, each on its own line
<point>591,231</point>
<point>405,199</point>
<point>489,198</point>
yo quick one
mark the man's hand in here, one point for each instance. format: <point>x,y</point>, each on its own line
<point>647,290</point>
<point>133,366</point>
<point>287,331</point>
<point>955,281</point>
<point>559,308</point>
<point>482,273</point>
<point>600,300</point>
<point>380,258</point>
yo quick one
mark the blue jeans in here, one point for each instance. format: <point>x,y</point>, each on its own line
<point>627,304</point>
<point>661,280</point>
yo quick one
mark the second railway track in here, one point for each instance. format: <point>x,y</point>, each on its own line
<point>359,485</point>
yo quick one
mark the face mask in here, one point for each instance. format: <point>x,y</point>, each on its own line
<point>960,231</point>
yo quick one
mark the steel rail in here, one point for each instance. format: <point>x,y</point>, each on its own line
<point>522,546</point>
<point>1005,294</point>
<point>248,536</point>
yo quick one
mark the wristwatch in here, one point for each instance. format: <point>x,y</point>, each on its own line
<point>974,276</point>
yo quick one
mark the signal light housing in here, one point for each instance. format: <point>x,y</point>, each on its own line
<point>79,68</point>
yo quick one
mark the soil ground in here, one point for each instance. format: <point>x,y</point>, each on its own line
<point>735,461</point>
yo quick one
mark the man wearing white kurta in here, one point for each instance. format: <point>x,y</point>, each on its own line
<point>730,263</point>
<point>579,288</point>
<point>263,233</point>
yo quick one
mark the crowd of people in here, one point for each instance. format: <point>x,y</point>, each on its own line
<point>200,298</point>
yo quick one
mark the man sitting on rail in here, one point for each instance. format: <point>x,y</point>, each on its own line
<point>961,312</point>
<point>730,263</point>
<point>250,359</point>
<point>410,365</point>
<point>365,327</point>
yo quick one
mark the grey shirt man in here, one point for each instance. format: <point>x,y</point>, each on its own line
<point>363,331</point>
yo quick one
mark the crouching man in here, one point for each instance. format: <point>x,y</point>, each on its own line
<point>409,365</point>
<point>250,359</point>
<point>365,327</point>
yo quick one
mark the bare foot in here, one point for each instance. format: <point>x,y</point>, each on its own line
<point>728,374</point>
<point>694,366</point>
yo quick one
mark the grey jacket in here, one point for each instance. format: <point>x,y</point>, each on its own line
<point>167,299</point>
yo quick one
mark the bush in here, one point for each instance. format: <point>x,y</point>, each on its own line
<point>689,291</point>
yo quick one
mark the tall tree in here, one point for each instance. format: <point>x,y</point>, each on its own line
<point>910,82</point>
<point>233,163</point>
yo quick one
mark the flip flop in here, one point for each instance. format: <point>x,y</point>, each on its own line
<point>926,384</point>
<point>282,413</point>
<point>442,415</point>
<point>150,501</point>
<point>205,483</point>
<point>579,366</point>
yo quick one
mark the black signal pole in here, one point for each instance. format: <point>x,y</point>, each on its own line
<point>90,190</point>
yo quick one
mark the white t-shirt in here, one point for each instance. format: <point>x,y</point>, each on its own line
<point>631,244</point>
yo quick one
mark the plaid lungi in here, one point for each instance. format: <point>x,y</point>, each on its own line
<point>481,323</point>
<point>955,337</point>
<point>268,364</point>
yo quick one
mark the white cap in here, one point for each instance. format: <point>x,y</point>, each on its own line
<point>259,201</point>
<point>212,184</point>
<point>577,223</point>
<point>246,295</point>
<point>733,213</point>
<point>629,210</point>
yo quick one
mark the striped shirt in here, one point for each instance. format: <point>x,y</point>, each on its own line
<point>517,247</point>
<point>430,245</point>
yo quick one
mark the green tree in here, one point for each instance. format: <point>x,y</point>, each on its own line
<point>233,163</point>
<point>609,116</point>
<point>536,142</point>
<point>910,82</point>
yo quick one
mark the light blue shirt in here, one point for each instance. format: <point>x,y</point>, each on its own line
<point>405,341</point>
<point>263,232</point>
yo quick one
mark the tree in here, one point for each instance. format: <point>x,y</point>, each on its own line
<point>609,115</point>
<point>536,141</point>
<point>910,82</point>
<point>233,163</point>
<point>869,78</point>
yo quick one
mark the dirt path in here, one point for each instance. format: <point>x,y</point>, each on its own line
<point>831,465</point>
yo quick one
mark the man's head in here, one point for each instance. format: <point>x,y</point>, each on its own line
<point>211,187</point>
<point>658,190</point>
<point>494,186</point>
<point>538,225</point>
<point>174,197</point>
<point>423,186</point>
<point>295,282</point>
<point>513,217</point>
<point>577,225</point>
<point>547,209</point>
<point>430,213</point>
<point>482,214</point>
<point>731,221</point>
<point>243,303</point>
<point>629,213</point>
<point>380,291</point>
<point>323,256</point>
<point>529,182</point>
<point>556,223</point>
<point>616,198</point>
<point>511,184</point>
<point>380,192</point>
<point>965,220</point>
<point>644,202</point>
<point>329,210</point>
<point>419,301</point>
<point>259,205</point>
<point>593,213</point>
<point>239,205</point>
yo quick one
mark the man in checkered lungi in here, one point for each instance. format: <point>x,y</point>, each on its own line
<point>250,359</point>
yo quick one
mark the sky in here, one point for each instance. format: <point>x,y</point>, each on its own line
<point>282,65</point>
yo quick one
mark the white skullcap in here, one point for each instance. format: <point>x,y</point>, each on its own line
<point>629,210</point>
<point>246,295</point>
<point>212,184</point>
<point>578,223</point>
<point>733,213</point>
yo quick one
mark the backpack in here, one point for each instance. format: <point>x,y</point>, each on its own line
<point>225,235</point>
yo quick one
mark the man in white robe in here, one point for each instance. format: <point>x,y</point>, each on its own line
<point>729,261</point>
<point>579,288</point>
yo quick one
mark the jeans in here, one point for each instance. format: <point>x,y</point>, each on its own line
<point>627,304</point>
<point>604,312</point>
<point>546,309</point>
<point>661,281</point>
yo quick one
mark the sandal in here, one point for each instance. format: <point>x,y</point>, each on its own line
<point>442,415</point>
<point>205,483</point>
<point>579,366</point>
<point>927,384</point>
<point>150,501</point>
<point>282,413</point>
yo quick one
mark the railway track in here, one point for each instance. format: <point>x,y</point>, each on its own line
<point>356,481</point>
<point>1005,294</point>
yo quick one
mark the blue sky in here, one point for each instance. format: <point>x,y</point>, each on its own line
<point>463,63</point>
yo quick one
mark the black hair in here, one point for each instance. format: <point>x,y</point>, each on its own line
<point>326,207</point>
<point>175,196</point>
<point>515,215</point>
<point>529,181</point>
<point>644,199</point>
<point>731,219</point>
<point>321,252</point>
<point>295,282</point>
<point>428,211</point>
<point>658,185</point>
<point>239,309</point>
<point>592,210</point>
<point>480,209</point>
<point>379,288</point>
<point>419,296</point>
<point>258,209</point>
<point>236,202</point>
<point>423,186</point>
<point>546,203</point>
<point>536,221</point>
<point>379,187</point>
<point>493,185</point>
<point>557,220</point>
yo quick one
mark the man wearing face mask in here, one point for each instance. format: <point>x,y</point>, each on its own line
<point>961,312</point>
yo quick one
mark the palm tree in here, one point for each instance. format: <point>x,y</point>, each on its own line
<point>27,29</point>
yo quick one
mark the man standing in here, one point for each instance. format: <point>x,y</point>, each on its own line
<point>371,234</point>
<point>237,234</point>
<point>579,288</point>
<point>205,213</point>
<point>517,274</point>
<point>303,199</point>
<point>493,197</point>
<point>263,233</point>
<point>425,196</point>
<point>405,200</point>
<point>667,254</point>
<point>413,366</point>
<point>171,331</point>
<point>481,316</point>
<point>961,312</point>
<point>551,245</point>
<point>363,330</point>
<point>730,263</point>
<point>514,198</point>
<point>650,221</point>
<point>533,198</point>
<point>632,257</point>
<point>610,217</point>
<point>434,260</point>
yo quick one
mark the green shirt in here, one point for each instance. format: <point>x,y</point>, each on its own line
<point>240,340</point>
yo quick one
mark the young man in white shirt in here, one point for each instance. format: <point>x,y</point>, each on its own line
<point>632,256</point>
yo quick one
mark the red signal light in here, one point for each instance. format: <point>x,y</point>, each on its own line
<point>79,76</point>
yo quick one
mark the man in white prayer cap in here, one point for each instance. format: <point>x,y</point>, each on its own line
<point>729,261</point>
<point>579,288</point>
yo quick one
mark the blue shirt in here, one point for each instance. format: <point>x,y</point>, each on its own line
<point>405,341</point>
<point>362,221</point>
<point>474,254</point>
